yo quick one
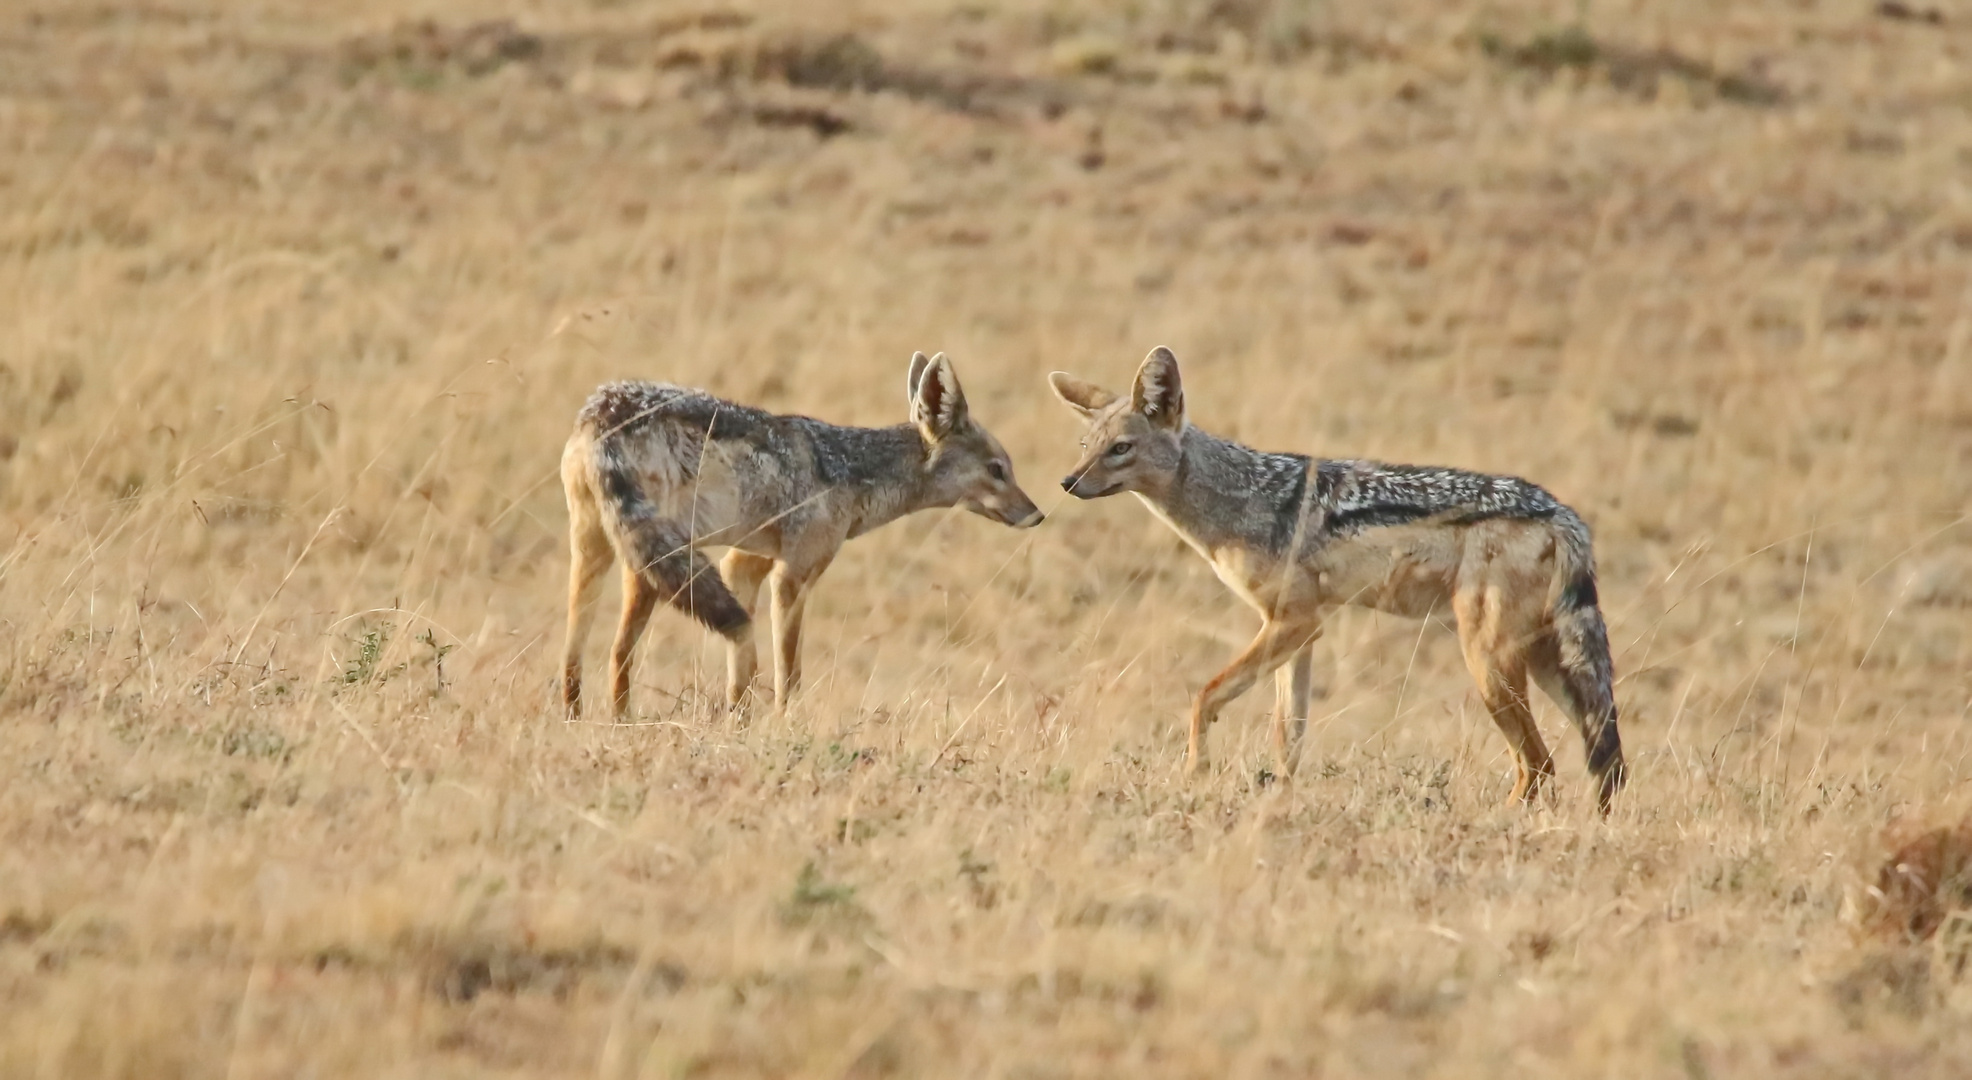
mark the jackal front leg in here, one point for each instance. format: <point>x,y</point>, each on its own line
<point>744,572</point>
<point>1293,693</point>
<point>790,586</point>
<point>1278,639</point>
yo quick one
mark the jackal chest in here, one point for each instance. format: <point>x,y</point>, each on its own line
<point>1265,581</point>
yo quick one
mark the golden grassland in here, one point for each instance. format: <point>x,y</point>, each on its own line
<point>297,302</point>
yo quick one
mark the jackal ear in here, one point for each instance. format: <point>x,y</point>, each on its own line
<point>1158,394</point>
<point>1086,398</point>
<point>937,401</point>
<point>918,363</point>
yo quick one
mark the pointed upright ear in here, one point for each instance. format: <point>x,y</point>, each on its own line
<point>918,363</point>
<point>1086,398</point>
<point>938,403</point>
<point>1158,393</point>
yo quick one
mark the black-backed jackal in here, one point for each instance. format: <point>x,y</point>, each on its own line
<point>655,472</point>
<point>1295,536</point>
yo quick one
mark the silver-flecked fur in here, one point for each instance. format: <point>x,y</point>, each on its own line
<point>1296,536</point>
<point>654,473</point>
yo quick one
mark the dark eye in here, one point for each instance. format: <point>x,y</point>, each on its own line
<point>997,471</point>
<point>1118,449</point>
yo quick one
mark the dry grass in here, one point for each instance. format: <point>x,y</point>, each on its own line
<point>297,303</point>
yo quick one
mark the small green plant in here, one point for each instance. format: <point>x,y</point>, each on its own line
<point>813,898</point>
<point>972,867</point>
<point>366,666</point>
<point>1569,47</point>
<point>256,742</point>
<point>842,758</point>
<point>1636,70</point>
<point>811,891</point>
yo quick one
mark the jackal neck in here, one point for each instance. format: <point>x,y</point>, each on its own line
<point>1223,493</point>
<point>881,472</point>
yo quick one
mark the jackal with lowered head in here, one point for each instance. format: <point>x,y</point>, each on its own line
<point>1296,536</point>
<point>656,472</point>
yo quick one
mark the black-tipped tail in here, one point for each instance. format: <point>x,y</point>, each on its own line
<point>686,580</point>
<point>1586,673</point>
<point>661,550</point>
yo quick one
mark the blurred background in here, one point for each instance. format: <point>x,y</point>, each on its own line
<point>297,303</point>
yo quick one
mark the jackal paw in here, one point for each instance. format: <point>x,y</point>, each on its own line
<point>741,702</point>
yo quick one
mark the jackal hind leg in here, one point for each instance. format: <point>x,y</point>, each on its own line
<point>1496,655</point>
<point>744,572</point>
<point>589,556</point>
<point>1293,694</point>
<point>790,584</point>
<point>1278,639</point>
<point>639,600</point>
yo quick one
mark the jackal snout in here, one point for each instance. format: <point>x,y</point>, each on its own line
<point>968,463</point>
<point>1079,485</point>
<point>1008,507</point>
<point>1025,516</point>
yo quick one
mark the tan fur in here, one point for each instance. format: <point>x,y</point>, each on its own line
<point>653,473</point>
<point>1496,570</point>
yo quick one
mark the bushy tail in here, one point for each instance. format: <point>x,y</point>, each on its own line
<point>661,550</point>
<point>1586,676</point>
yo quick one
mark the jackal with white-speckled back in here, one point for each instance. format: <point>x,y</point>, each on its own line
<point>1296,536</point>
<point>655,472</point>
